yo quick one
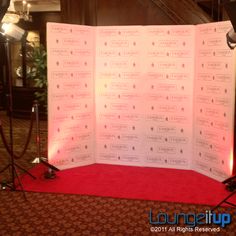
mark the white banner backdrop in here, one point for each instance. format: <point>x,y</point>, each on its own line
<point>144,93</point>
<point>214,101</point>
<point>157,96</point>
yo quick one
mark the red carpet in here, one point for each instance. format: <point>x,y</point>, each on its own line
<point>130,182</point>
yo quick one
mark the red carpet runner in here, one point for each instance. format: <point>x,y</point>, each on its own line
<point>130,182</point>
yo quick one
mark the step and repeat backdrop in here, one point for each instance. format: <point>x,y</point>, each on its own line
<point>156,96</point>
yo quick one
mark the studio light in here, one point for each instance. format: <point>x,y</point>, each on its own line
<point>13,31</point>
<point>230,8</point>
<point>231,38</point>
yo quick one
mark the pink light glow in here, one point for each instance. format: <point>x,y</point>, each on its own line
<point>231,162</point>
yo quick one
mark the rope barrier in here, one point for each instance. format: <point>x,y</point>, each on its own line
<point>27,141</point>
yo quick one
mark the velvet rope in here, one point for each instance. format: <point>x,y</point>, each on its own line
<point>27,141</point>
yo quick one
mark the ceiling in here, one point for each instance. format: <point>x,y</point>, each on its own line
<point>39,5</point>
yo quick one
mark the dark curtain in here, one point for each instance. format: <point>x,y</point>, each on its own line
<point>82,12</point>
<point>131,12</point>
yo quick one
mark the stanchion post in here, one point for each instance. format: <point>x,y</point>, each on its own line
<point>38,139</point>
<point>50,173</point>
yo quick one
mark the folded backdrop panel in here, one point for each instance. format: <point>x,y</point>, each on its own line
<point>214,101</point>
<point>157,96</point>
<point>70,95</point>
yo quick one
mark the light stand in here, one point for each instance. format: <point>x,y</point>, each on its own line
<point>12,165</point>
<point>230,183</point>
<point>13,170</point>
<point>4,4</point>
<point>231,41</point>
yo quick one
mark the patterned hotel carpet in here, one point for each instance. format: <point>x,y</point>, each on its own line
<point>64,214</point>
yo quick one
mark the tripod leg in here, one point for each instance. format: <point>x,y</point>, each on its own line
<point>25,171</point>
<point>229,179</point>
<point>6,167</point>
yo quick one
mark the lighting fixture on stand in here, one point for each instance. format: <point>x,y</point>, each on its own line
<point>12,32</point>
<point>231,41</point>
<point>230,183</point>
<point>231,35</point>
<point>13,16</point>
